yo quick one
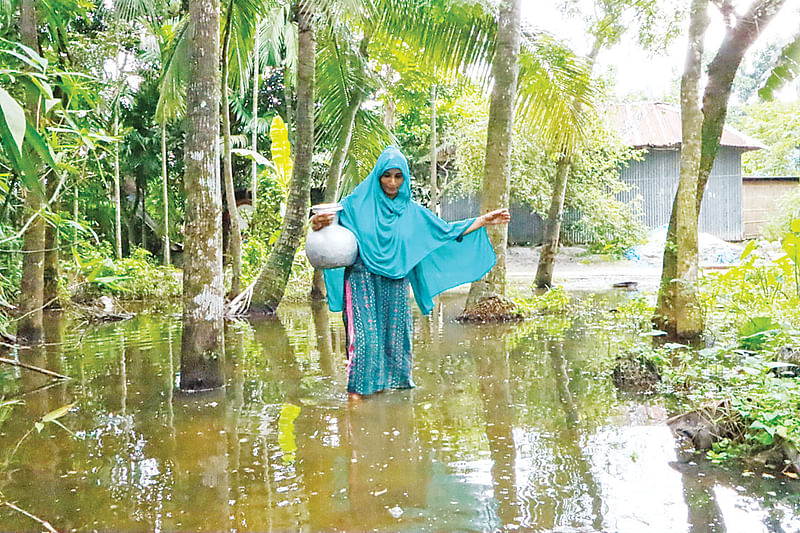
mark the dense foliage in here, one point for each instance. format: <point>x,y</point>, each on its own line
<point>776,124</point>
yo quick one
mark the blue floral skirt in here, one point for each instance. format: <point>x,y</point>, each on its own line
<point>379,329</point>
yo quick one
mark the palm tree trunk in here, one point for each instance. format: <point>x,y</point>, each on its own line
<point>117,195</point>
<point>202,342</point>
<point>334,178</point>
<point>434,158</point>
<point>235,234</point>
<point>143,227</point>
<point>29,326</point>
<point>552,227</point>
<point>164,194</point>
<point>497,170</point>
<point>51,272</point>
<point>254,141</point>
<point>271,284</point>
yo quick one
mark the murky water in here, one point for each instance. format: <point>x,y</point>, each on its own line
<point>510,428</point>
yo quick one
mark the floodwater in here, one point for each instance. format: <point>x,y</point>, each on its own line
<point>510,428</point>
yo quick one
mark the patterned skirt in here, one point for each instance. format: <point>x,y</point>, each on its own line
<point>379,327</point>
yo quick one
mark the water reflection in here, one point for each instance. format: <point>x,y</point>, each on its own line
<point>494,382</point>
<point>511,428</point>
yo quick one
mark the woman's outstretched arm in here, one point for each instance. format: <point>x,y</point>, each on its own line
<point>498,216</point>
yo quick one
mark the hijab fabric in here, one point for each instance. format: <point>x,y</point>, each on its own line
<point>399,238</point>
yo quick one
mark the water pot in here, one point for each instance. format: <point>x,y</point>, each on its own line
<point>333,246</point>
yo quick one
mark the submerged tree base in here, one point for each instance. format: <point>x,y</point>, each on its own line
<point>492,309</point>
<point>201,373</point>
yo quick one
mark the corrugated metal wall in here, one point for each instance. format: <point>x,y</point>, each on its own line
<point>526,227</point>
<point>655,179</point>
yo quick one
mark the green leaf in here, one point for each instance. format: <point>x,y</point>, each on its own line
<point>39,426</point>
<point>40,62</point>
<point>653,333</point>
<point>751,245</point>
<point>14,117</point>
<point>754,333</point>
<point>791,245</point>
<point>57,413</point>
<point>795,225</point>
<point>674,346</point>
<point>50,103</point>
<point>41,146</point>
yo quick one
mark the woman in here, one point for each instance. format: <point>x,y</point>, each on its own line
<point>399,243</point>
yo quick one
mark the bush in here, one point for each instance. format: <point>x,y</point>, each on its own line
<point>788,209</point>
<point>95,273</point>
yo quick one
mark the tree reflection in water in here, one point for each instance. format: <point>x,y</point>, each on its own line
<point>510,428</point>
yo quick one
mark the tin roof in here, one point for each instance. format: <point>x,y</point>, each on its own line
<point>658,125</point>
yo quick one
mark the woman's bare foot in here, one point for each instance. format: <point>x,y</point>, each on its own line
<point>354,397</point>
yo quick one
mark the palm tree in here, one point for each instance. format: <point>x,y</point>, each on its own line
<point>497,169</point>
<point>271,283</point>
<point>29,327</point>
<point>202,344</point>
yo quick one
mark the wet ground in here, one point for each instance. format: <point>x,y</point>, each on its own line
<point>510,428</point>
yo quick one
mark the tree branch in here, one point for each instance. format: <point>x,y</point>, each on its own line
<point>34,368</point>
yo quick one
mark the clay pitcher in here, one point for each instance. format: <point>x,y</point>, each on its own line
<point>333,246</point>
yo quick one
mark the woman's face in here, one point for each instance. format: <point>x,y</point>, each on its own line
<point>391,181</point>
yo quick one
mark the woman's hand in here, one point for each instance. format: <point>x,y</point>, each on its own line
<point>321,220</point>
<point>498,216</point>
<point>492,218</point>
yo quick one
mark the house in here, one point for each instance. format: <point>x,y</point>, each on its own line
<point>656,128</point>
<point>761,197</point>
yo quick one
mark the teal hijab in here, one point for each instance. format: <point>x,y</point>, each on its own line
<point>398,238</point>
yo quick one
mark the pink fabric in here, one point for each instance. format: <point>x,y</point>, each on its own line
<point>351,329</point>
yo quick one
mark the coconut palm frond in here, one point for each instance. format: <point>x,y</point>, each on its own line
<point>448,37</point>
<point>370,137</point>
<point>244,16</point>
<point>172,85</point>
<point>130,10</point>
<point>341,76</point>
<point>240,141</point>
<point>556,94</point>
